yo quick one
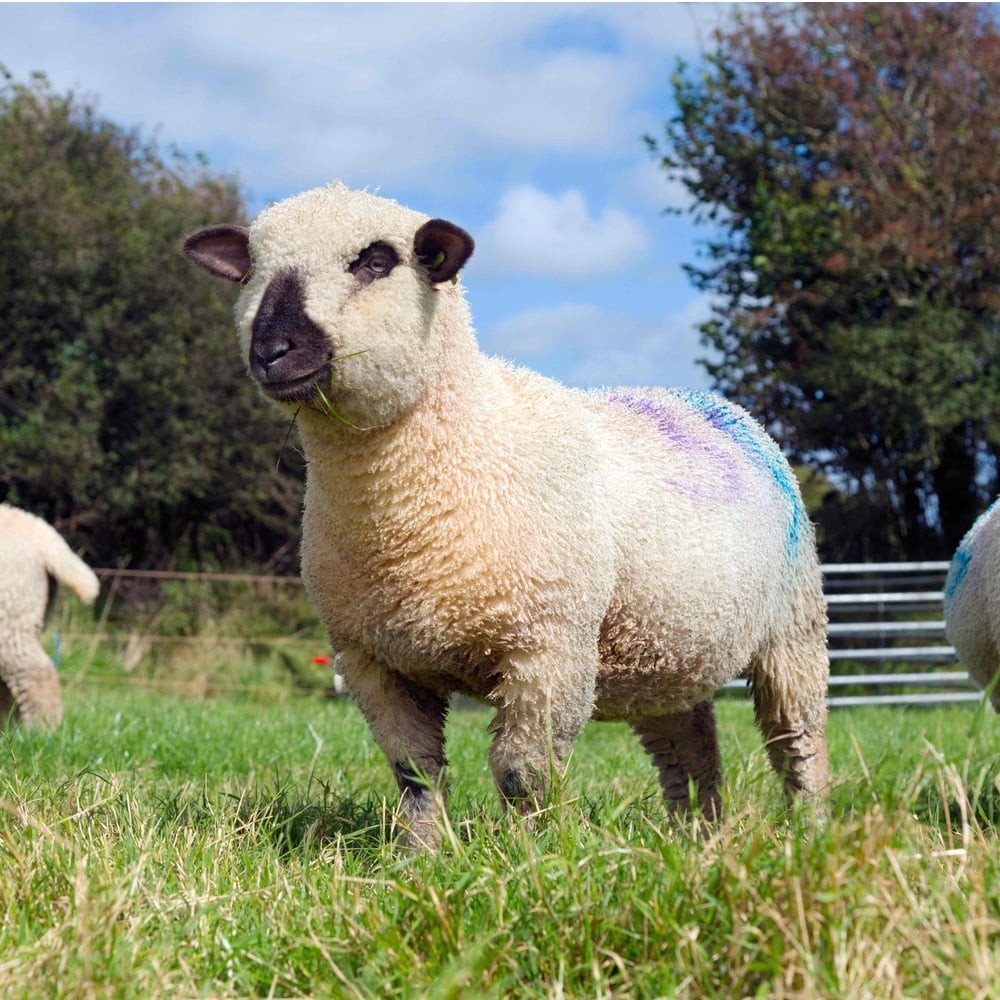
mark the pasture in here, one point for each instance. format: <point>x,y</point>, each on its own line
<point>178,837</point>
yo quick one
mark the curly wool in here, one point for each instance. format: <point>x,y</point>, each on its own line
<point>972,602</point>
<point>33,559</point>
<point>473,527</point>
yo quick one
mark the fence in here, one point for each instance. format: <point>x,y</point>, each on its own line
<point>886,619</point>
<point>891,615</point>
<point>196,634</point>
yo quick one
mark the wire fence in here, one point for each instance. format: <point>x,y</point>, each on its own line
<point>886,634</point>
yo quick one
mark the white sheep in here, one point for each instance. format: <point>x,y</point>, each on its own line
<point>972,602</point>
<point>33,560</point>
<point>474,527</point>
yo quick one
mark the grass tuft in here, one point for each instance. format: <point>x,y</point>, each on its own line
<point>327,407</point>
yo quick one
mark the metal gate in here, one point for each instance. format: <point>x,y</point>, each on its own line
<point>887,637</point>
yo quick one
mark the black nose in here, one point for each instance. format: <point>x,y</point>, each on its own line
<point>285,344</point>
<point>269,350</point>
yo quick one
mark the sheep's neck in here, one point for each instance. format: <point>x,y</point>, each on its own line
<point>420,468</point>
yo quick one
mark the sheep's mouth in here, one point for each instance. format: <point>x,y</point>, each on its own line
<point>298,389</point>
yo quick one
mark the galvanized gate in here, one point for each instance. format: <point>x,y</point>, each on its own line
<point>887,622</point>
<point>887,637</point>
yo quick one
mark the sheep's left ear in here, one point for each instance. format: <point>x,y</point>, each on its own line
<point>222,250</point>
<point>442,248</point>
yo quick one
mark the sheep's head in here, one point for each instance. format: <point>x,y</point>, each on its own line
<point>344,301</point>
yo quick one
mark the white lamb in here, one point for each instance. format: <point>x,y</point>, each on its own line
<point>33,560</point>
<point>473,527</point>
<point>972,602</point>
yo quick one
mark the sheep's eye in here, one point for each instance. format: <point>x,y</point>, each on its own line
<point>375,261</point>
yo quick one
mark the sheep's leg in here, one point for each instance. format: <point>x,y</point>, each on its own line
<point>407,722</point>
<point>8,707</point>
<point>797,751</point>
<point>685,751</point>
<point>789,685</point>
<point>30,685</point>
<point>542,706</point>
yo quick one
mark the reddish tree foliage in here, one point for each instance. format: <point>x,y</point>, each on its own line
<point>847,157</point>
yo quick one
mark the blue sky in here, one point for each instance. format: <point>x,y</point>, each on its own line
<point>523,123</point>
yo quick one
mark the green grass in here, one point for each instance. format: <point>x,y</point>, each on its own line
<point>233,846</point>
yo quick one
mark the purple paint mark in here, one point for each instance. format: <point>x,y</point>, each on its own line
<point>729,484</point>
<point>761,449</point>
<point>762,453</point>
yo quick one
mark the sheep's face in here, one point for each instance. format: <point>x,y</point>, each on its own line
<point>342,299</point>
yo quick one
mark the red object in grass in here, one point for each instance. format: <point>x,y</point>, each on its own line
<point>321,661</point>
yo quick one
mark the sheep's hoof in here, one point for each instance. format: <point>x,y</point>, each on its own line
<point>418,834</point>
<point>520,793</point>
<point>514,788</point>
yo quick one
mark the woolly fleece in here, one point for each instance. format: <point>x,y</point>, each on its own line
<point>972,602</point>
<point>33,558</point>
<point>474,527</point>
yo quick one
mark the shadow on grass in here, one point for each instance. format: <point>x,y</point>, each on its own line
<point>294,825</point>
<point>287,819</point>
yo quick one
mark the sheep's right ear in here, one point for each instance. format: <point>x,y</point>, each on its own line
<point>442,248</point>
<point>222,250</point>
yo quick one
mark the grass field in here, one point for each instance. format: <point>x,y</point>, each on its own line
<point>158,845</point>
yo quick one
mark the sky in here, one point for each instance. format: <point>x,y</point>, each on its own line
<point>522,123</point>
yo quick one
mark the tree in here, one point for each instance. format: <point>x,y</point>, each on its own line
<point>125,415</point>
<point>846,156</point>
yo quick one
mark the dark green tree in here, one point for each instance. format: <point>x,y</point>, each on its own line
<point>845,156</point>
<point>126,418</point>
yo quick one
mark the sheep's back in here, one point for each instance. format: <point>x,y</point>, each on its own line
<point>24,580</point>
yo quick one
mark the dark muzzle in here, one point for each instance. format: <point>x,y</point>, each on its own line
<point>289,353</point>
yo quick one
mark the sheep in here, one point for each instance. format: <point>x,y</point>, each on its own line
<point>34,559</point>
<point>972,602</point>
<point>472,527</point>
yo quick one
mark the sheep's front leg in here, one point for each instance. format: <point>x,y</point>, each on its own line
<point>543,703</point>
<point>407,722</point>
<point>685,750</point>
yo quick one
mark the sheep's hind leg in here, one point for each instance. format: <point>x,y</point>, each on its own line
<point>31,686</point>
<point>407,722</point>
<point>789,696</point>
<point>8,707</point>
<point>685,751</point>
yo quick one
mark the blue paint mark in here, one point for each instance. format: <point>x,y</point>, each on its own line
<point>962,558</point>
<point>735,424</point>
<point>956,572</point>
<point>756,445</point>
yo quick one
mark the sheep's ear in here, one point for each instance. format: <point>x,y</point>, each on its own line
<point>222,250</point>
<point>442,248</point>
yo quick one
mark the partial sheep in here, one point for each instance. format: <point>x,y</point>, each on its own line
<point>33,560</point>
<point>972,602</point>
<point>473,527</point>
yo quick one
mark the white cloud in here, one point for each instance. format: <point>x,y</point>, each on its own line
<point>535,332</point>
<point>648,183</point>
<point>593,347</point>
<point>685,29</point>
<point>436,105</point>
<point>556,236</point>
<point>370,93</point>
